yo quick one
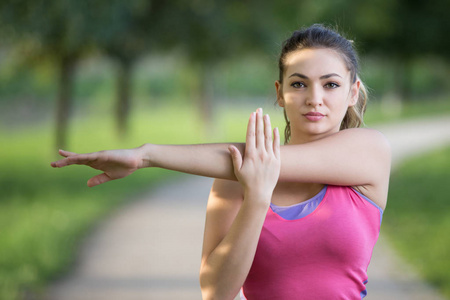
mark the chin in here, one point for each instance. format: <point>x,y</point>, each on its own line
<point>319,130</point>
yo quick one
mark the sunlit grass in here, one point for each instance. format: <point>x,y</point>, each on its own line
<point>385,112</point>
<point>417,218</point>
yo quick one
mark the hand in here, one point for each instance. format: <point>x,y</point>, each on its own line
<point>114,163</point>
<point>258,170</point>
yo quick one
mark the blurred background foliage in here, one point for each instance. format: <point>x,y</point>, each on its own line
<point>102,74</point>
<point>56,54</point>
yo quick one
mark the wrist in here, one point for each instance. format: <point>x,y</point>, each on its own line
<point>258,197</point>
<point>146,156</point>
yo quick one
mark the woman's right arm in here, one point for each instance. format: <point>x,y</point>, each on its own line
<point>232,229</point>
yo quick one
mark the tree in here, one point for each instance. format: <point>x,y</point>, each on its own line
<point>125,30</point>
<point>58,31</point>
<point>210,32</point>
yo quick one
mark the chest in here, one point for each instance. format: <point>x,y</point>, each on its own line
<point>340,230</point>
<point>286,194</point>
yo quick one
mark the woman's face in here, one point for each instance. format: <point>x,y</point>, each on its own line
<point>316,93</point>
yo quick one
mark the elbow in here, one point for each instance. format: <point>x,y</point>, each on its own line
<point>209,292</point>
<point>210,288</point>
<point>207,287</point>
<point>211,295</point>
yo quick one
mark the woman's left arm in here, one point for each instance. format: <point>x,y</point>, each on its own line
<point>351,157</point>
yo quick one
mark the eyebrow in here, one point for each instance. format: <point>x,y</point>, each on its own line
<point>321,77</point>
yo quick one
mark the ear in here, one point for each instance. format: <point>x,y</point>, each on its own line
<point>279,89</point>
<point>354,93</point>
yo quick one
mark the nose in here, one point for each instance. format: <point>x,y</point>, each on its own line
<point>314,96</point>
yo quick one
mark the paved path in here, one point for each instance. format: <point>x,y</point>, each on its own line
<point>151,248</point>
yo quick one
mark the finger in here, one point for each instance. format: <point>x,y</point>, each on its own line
<point>276,143</point>
<point>259,129</point>
<point>61,163</point>
<point>250,139</point>
<point>236,157</point>
<point>79,159</point>
<point>66,153</point>
<point>99,179</point>
<point>82,159</point>
<point>268,133</point>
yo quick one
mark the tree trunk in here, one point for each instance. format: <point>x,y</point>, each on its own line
<point>123,97</point>
<point>206,99</point>
<point>64,100</point>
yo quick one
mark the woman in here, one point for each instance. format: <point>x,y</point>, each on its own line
<point>297,221</point>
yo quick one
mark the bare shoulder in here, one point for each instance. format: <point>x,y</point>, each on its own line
<point>370,145</point>
<point>379,151</point>
<point>368,140</point>
<point>368,136</point>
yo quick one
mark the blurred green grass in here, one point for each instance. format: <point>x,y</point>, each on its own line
<point>417,218</point>
<point>386,111</point>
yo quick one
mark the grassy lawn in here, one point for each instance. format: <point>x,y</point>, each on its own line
<point>417,218</point>
<point>379,112</point>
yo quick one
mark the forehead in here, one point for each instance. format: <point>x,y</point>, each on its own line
<point>315,63</point>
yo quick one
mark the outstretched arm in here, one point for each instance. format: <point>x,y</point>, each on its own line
<point>352,157</point>
<point>115,164</point>
<point>210,160</point>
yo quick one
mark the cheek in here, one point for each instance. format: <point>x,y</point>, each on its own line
<point>287,100</point>
<point>339,98</point>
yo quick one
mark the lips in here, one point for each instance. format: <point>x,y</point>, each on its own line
<point>314,116</point>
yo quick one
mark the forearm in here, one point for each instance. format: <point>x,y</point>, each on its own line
<point>210,160</point>
<point>226,268</point>
<point>350,157</point>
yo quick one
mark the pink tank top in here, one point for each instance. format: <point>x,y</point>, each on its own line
<point>323,255</point>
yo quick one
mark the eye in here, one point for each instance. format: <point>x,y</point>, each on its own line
<point>332,85</point>
<point>298,85</point>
